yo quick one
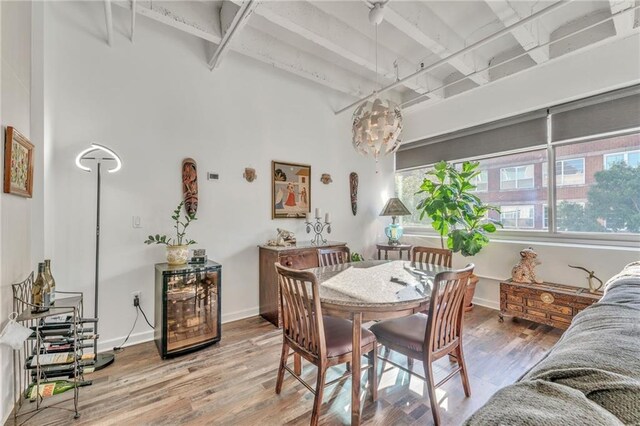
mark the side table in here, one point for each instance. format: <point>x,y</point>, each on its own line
<point>393,247</point>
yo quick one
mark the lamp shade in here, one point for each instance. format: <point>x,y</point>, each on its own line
<point>394,207</point>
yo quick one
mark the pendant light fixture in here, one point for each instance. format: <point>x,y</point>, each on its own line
<point>377,123</point>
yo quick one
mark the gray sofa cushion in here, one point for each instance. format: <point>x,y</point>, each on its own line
<point>591,376</point>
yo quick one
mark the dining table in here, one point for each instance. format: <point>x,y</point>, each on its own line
<point>370,291</point>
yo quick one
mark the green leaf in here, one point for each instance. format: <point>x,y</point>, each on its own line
<point>489,227</point>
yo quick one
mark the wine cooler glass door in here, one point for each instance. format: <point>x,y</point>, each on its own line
<point>192,310</point>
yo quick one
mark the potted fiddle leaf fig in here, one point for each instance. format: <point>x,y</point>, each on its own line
<point>456,213</point>
<point>178,248</point>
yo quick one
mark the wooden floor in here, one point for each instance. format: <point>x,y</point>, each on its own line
<point>232,383</point>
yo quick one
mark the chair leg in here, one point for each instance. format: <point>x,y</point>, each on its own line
<point>410,363</point>
<point>433,401</point>
<point>283,362</point>
<point>463,371</point>
<point>317,402</point>
<point>373,372</point>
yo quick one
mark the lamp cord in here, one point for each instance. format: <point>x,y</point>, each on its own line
<point>139,310</point>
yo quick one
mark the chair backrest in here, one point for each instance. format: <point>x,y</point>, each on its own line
<point>334,256</point>
<point>444,325</point>
<point>301,313</point>
<point>432,256</point>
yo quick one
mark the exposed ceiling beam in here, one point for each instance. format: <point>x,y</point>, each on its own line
<point>464,51</point>
<point>240,19</point>
<point>623,23</point>
<point>528,36</point>
<point>133,19</point>
<point>108,18</point>
<point>417,21</point>
<point>325,30</point>
<point>258,45</point>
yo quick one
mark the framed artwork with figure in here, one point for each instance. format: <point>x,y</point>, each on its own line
<point>291,190</point>
<point>18,164</point>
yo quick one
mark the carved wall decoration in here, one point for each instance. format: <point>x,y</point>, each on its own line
<point>190,186</point>
<point>353,190</point>
<point>249,174</point>
<point>326,178</point>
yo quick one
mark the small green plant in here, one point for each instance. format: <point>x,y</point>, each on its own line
<point>356,257</point>
<point>181,230</point>
<point>454,210</point>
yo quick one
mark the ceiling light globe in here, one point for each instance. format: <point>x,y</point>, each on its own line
<point>377,125</point>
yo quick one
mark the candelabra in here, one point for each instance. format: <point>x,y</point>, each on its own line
<point>318,227</point>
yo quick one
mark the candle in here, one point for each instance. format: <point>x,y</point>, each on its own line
<point>308,217</point>
<point>327,218</point>
<point>318,213</point>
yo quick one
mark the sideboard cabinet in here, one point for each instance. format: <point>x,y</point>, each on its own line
<point>546,303</point>
<point>300,256</point>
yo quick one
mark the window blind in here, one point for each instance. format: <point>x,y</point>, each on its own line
<point>523,131</point>
<point>613,111</point>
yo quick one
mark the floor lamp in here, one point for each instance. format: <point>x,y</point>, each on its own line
<point>98,154</point>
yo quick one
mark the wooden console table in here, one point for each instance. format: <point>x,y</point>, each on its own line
<point>546,303</point>
<point>300,256</point>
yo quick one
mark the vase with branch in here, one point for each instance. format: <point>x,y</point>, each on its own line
<point>178,247</point>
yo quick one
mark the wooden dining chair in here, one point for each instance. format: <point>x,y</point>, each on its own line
<point>324,341</point>
<point>431,256</point>
<point>430,337</point>
<point>334,256</point>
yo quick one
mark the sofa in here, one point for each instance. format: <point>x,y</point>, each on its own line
<point>590,377</point>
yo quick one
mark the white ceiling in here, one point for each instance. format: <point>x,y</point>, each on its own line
<point>333,43</point>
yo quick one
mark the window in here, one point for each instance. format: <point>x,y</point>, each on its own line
<point>407,184</point>
<point>596,167</point>
<point>630,158</point>
<point>481,181</point>
<point>519,177</point>
<point>568,172</point>
<point>517,216</point>
<point>607,202</point>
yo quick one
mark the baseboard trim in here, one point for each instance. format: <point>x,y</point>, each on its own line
<point>147,336</point>
<point>487,303</point>
<point>134,339</point>
<point>238,315</point>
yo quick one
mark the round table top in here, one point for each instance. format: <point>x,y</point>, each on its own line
<point>376,283</point>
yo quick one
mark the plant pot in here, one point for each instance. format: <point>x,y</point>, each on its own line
<point>471,289</point>
<point>177,255</point>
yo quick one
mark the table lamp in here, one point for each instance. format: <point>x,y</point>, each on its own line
<point>394,208</point>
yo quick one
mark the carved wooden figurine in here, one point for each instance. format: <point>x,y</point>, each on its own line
<point>353,186</point>
<point>190,186</point>
<point>524,271</point>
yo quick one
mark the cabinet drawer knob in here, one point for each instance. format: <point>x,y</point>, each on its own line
<point>547,298</point>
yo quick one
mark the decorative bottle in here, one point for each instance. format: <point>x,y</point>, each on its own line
<point>52,282</point>
<point>39,296</point>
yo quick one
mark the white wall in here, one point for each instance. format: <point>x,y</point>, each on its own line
<point>155,102</point>
<point>16,236</point>
<point>606,67</point>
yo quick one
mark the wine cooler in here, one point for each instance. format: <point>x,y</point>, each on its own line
<point>187,308</point>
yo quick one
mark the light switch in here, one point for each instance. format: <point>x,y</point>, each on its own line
<point>136,222</point>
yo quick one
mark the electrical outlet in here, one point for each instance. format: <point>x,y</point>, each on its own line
<point>135,297</point>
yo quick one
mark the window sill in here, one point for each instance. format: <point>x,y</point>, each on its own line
<point>624,242</point>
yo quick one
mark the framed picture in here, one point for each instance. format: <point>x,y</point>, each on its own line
<point>291,190</point>
<point>18,164</point>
